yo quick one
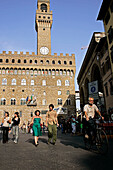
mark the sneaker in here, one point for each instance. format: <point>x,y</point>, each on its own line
<point>15,141</point>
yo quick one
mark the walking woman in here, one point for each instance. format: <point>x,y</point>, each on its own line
<point>6,121</point>
<point>37,131</point>
<point>15,127</point>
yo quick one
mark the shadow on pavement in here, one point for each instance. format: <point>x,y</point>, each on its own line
<point>31,140</point>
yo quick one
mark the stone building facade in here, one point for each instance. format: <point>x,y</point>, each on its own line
<point>106,15</point>
<point>29,81</point>
<point>90,71</point>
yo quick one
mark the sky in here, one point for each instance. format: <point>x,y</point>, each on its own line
<point>74,22</point>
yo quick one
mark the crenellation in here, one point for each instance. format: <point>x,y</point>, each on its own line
<point>33,53</point>
<point>61,55</point>
<point>4,52</point>
<point>21,52</point>
<point>15,52</point>
<point>27,53</point>
<point>73,55</point>
<point>67,55</point>
<point>9,52</point>
<point>55,54</point>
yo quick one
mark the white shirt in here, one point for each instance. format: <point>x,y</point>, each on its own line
<point>90,110</point>
<point>5,124</point>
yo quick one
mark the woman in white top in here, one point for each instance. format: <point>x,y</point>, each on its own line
<point>6,121</point>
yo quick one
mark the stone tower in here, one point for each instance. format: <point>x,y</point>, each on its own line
<point>43,27</point>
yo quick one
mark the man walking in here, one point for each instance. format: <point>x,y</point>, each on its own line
<point>52,122</point>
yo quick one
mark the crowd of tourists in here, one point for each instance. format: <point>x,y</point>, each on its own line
<point>36,126</point>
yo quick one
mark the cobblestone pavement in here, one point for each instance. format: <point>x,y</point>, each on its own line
<point>68,154</point>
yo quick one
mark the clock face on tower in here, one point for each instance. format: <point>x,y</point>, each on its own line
<point>44,50</point>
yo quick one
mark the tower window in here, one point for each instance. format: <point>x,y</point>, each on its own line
<point>35,61</point>
<point>65,62</point>
<point>47,61</point>
<point>39,17</point>
<point>1,60</point>
<point>44,29</point>
<point>59,62</point>
<point>48,17</point>
<point>30,61</point>
<point>7,61</point>
<point>44,17</point>
<point>53,62</point>
<point>41,61</point>
<point>13,61</point>
<point>70,62</point>
<point>25,61</point>
<point>43,7</point>
<point>19,61</point>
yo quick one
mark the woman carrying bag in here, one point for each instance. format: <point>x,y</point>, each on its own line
<point>6,121</point>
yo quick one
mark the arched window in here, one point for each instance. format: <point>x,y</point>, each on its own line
<point>59,62</point>
<point>72,73</point>
<point>67,83</point>
<point>44,7</point>
<point>19,71</point>
<point>13,60</point>
<point>64,72</point>
<point>70,62</point>
<point>59,83</point>
<point>4,81</point>
<point>13,101</point>
<point>7,70</point>
<point>43,82</point>
<point>30,61</point>
<point>68,92</point>
<point>23,71</point>
<point>19,61</point>
<point>68,72</point>
<point>7,61</point>
<point>11,71</point>
<point>23,82</point>
<point>23,101</point>
<point>13,82</point>
<point>61,71</point>
<point>49,72</point>
<point>44,102</point>
<point>59,101</point>
<point>3,70</point>
<point>32,82</point>
<point>59,92</point>
<point>15,71</point>
<point>53,62</point>
<point>47,61</point>
<point>53,72</point>
<point>65,62</point>
<point>3,101</point>
<point>57,72</point>
<point>68,102</point>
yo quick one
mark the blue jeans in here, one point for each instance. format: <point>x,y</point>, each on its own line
<point>15,133</point>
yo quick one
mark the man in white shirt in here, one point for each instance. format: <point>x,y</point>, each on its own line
<point>90,110</point>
